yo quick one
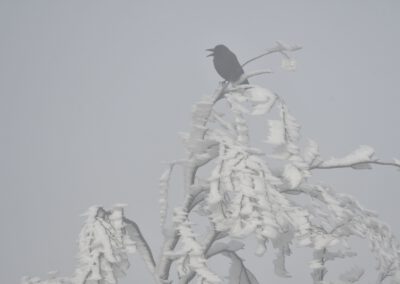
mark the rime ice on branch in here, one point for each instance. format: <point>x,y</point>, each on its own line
<point>241,196</point>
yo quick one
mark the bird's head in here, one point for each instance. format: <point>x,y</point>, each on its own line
<point>220,48</point>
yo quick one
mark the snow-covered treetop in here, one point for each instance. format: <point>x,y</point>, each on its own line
<point>244,195</point>
<point>249,191</point>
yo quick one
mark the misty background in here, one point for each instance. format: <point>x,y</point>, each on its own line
<point>94,93</point>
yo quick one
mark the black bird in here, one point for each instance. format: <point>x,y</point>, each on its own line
<point>226,64</point>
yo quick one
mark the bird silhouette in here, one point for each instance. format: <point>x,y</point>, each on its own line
<point>226,64</point>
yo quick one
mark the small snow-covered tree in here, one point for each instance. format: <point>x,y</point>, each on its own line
<point>244,191</point>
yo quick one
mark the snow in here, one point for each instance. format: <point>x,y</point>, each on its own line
<point>276,134</point>
<point>362,154</point>
<point>292,175</point>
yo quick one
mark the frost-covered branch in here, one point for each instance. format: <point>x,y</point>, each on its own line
<point>103,247</point>
<point>361,158</point>
<point>209,240</point>
<point>173,237</point>
<point>278,48</point>
<point>356,165</point>
<point>105,241</point>
<point>133,231</point>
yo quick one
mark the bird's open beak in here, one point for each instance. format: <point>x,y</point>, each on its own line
<point>210,50</point>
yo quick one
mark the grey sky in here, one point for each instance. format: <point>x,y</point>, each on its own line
<point>93,94</point>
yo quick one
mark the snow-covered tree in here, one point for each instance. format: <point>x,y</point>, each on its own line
<point>245,190</point>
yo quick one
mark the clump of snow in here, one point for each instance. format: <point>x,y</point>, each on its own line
<point>362,154</point>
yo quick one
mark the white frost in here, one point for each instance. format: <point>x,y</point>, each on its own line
<point>362,154</point>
